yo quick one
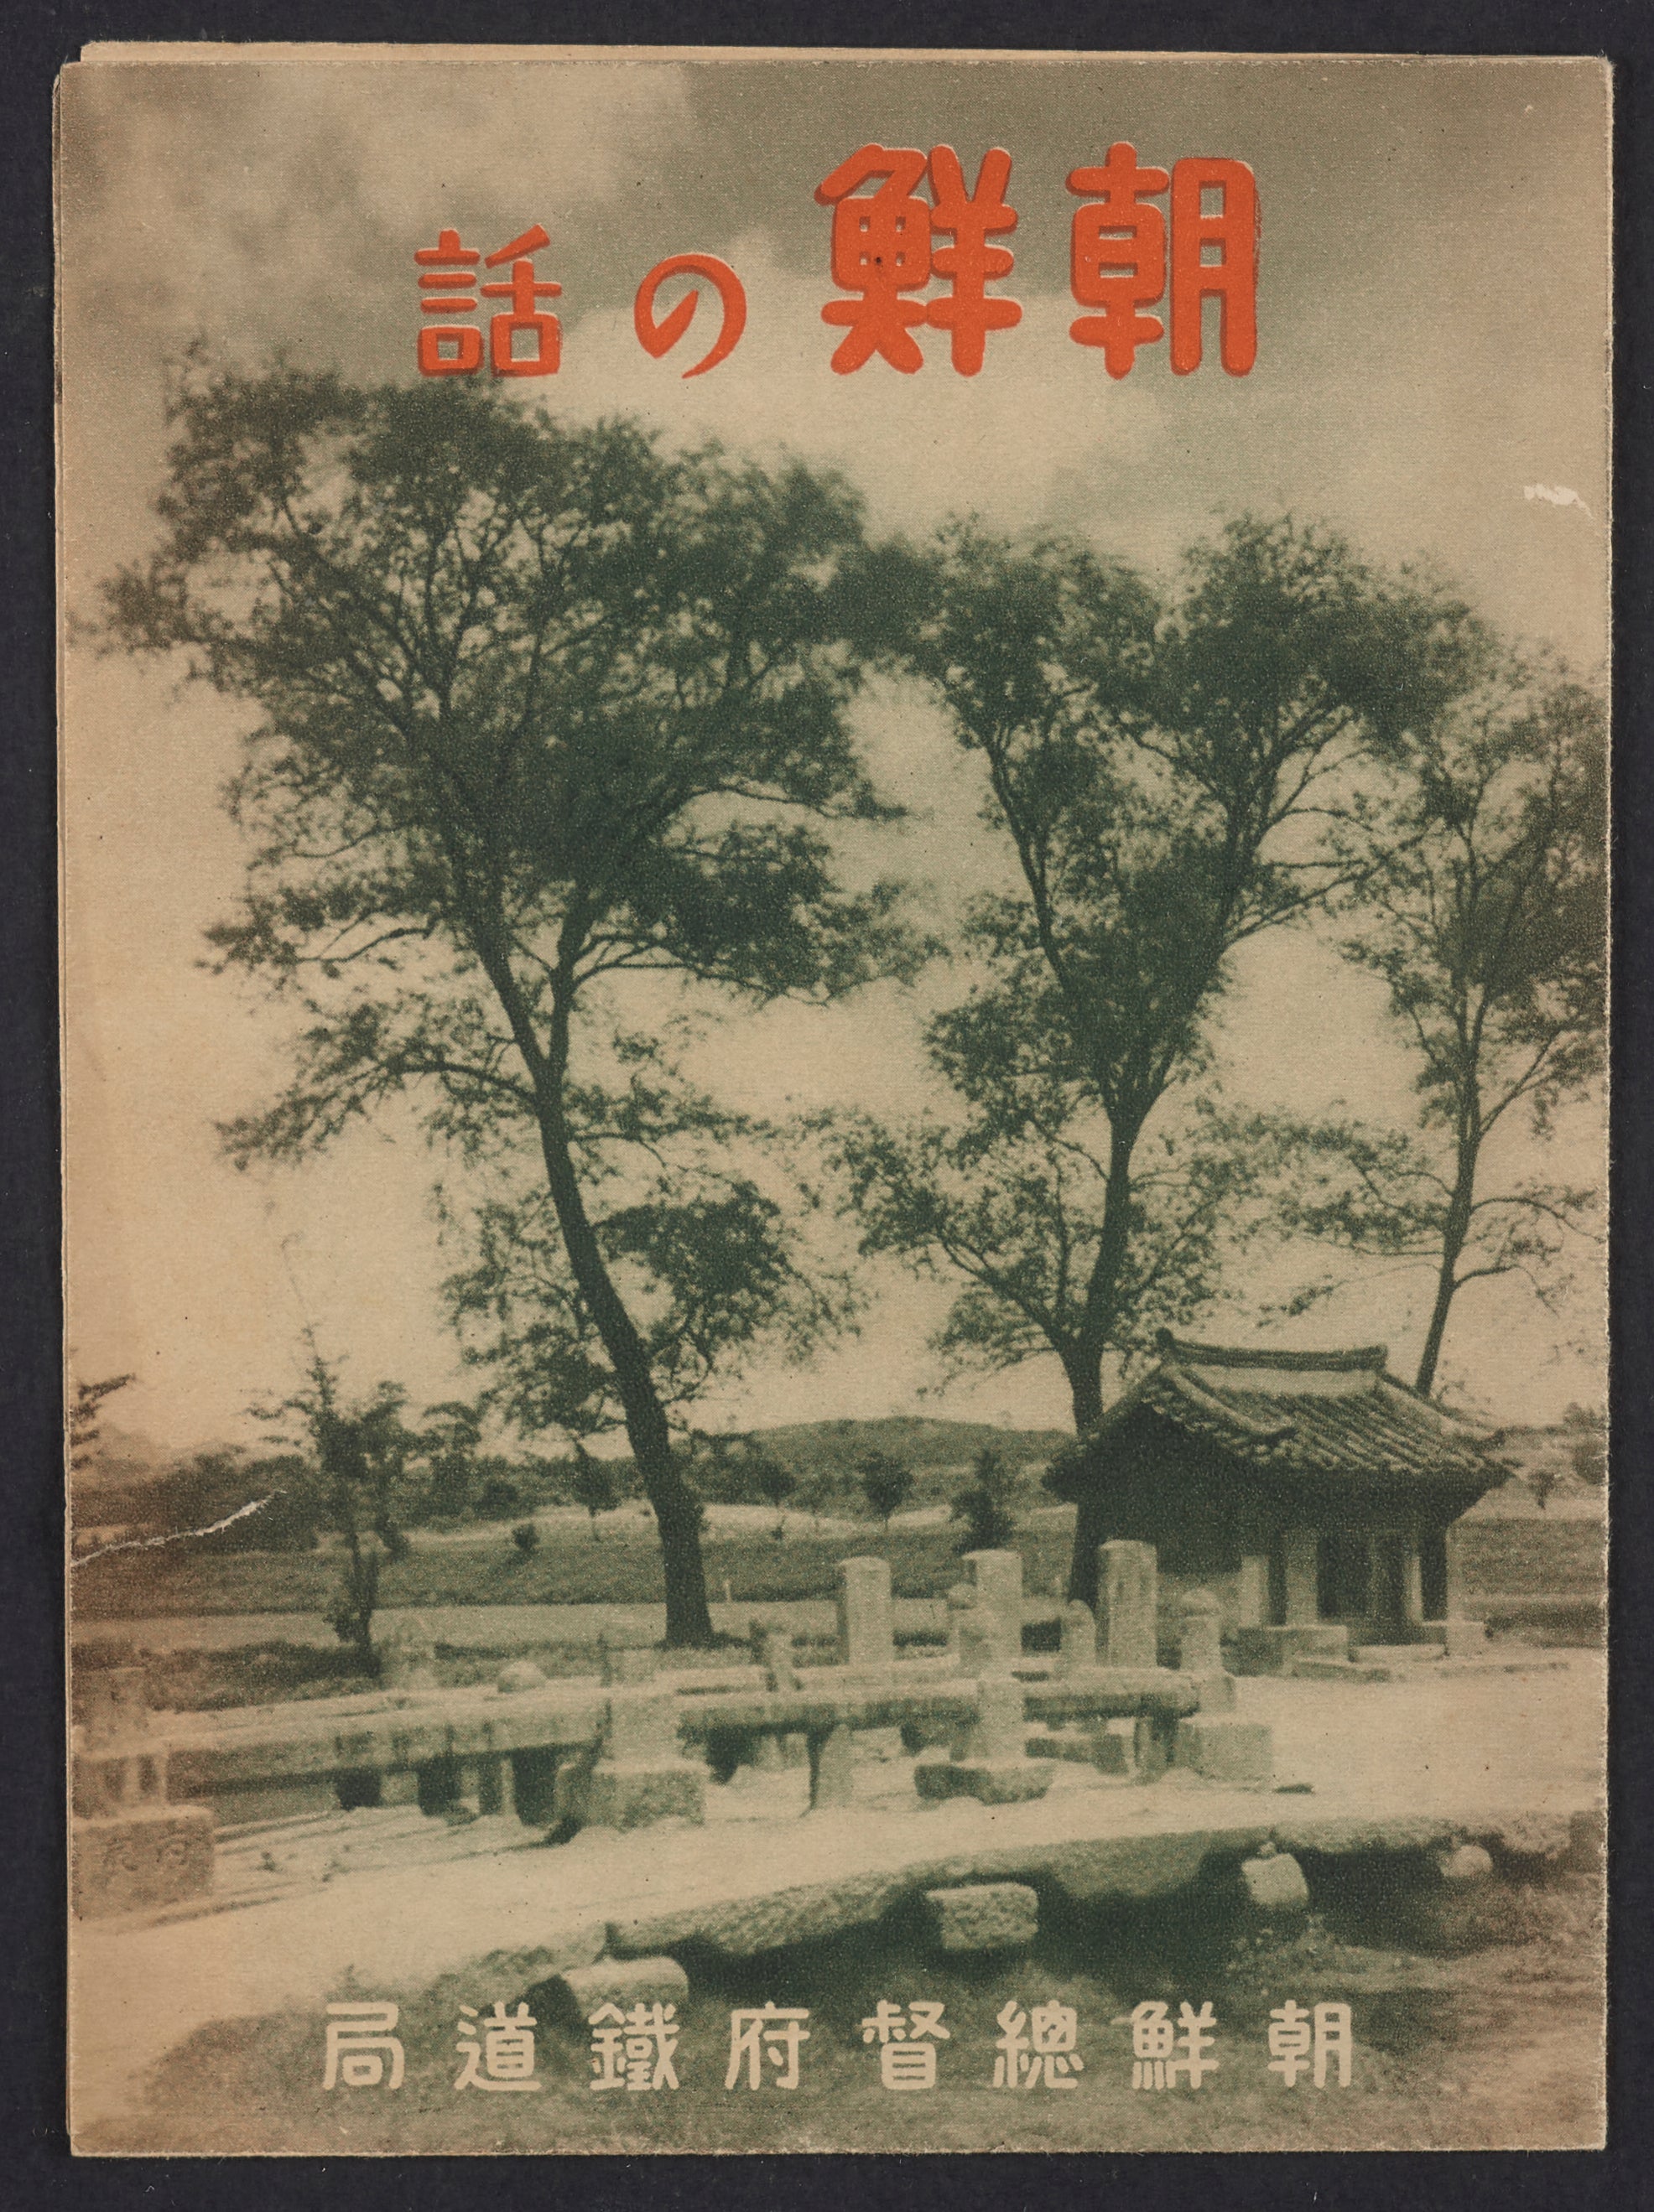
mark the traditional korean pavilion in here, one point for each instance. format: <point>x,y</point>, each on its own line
<point>1310,1488</point>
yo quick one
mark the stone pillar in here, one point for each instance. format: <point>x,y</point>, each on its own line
<point>864,1613</point>
<point>996,1578</point>
<point>1453,1544</point>
<point>128,1848</point>
<point>1252,1593</point>
<point>641,1774</point>
<point>767,1757</point>
<point>964,1637</point>
<point>1412,1602</point>
<point>1300,1551</point>
<point>497,1785</point>
<point>832,1768</point>
<point>116,1702</point>
<point>772,1650</point>
<point>991,1762</point>
<point>1128,1599</point>
<point>1079,1637</point>
<point>1200,1650</point>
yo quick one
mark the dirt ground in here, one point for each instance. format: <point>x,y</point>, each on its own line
<point>1459,2043</point>
<point>1487,2031</point>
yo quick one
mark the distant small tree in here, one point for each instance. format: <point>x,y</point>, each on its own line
<point>986,1506</point>
<point>1587,1431</point>
<point>886,1483</point>
<point>526,1537</point>
<point>593,1485</point>
<point>450,1435</point>
<point>774,1482</point>
<point>818,1492</point>
<point>360,1451</point>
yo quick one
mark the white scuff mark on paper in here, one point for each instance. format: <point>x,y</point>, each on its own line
<point>1558,495</point>
<point>175,1535</point>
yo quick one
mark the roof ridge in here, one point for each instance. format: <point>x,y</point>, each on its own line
<point>1372,1358</point>
<point>1192,1387</point>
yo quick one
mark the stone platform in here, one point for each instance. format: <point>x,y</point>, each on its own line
<point>1502,1765</point>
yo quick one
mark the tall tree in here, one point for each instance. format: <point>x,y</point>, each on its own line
<point>536,711</point>
<point>1485,914</point>
<point>1162,769</point>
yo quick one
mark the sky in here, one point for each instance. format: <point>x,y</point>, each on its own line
<point>1433,332</point>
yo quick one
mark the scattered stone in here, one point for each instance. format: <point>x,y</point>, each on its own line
<point>1273,1651</point>
<point>1240,1752</point>
<point>626,1664</point>
<point>1337,1670</point>
<point>640,1776</point>
<point>1274,1885</point>
<point>1466,1863</point>
<point>766,1755</point>
<point>990,1915</point>
<point>407,1659</point>
<point>772,1650</point>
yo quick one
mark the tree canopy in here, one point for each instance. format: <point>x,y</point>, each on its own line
<point>1483,907</point>
<point>1163,769</point>
<point>536,711</point>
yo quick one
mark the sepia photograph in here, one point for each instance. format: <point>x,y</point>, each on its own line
<point>833,854</point>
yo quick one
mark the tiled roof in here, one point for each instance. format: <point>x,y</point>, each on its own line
<point>1311,1412</point>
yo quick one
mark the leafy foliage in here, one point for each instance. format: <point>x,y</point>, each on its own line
<point>594,1486</point>
<point>1483,911</point>
<point>985,1506</point>
<point>84,1408</point>
<point>536,711</point>
<point>359,1451</point>
<point>886,1483</point>
<point>1162,769</point>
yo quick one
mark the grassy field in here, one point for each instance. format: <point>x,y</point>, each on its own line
<point>1490,2040</point>
<point>1534,1557</point>
<point>621,1567</point>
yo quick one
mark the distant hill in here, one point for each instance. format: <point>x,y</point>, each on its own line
<point>938,1452</point>
<point>1545,1477</point>
<point>123,1459</point>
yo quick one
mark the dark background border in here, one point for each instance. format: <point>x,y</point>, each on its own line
<point>37,2168</point>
